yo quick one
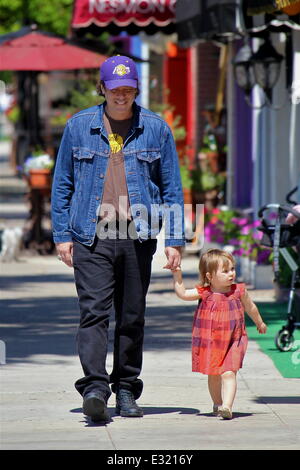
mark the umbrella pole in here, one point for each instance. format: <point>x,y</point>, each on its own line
<point>33,109</point>
<point>22,135</point>
<point>28,128</point>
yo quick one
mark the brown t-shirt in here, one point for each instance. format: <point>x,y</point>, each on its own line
<point>115,187</point>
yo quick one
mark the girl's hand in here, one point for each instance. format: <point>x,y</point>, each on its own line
<point>262,328</point>
<point>176,269</point>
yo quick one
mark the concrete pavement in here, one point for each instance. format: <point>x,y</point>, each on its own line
<point>40,409</point>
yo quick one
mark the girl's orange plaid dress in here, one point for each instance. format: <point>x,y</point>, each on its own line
<point>219,339</point>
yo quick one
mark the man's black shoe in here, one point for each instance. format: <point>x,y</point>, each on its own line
<point>126,405</point>
<point>94,406</point>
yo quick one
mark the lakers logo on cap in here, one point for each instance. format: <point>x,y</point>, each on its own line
<point>121,70</point>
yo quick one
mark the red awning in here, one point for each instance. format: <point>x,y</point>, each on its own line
<point>122,13</point>
<point>39,51</point>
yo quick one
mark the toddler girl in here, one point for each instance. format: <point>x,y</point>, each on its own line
<point>219,338</point>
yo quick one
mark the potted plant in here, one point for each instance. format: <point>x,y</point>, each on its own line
<point>283,279</point>
<point>207,184</point>
<point>209,152</point>
<point>186,181</point>
<point>13,114</point>
<point>241,236</point>
<point>37,170</point>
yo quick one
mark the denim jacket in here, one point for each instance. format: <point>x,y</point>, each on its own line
<point>151,170</point>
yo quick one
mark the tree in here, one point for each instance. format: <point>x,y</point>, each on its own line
<point>53,16</point>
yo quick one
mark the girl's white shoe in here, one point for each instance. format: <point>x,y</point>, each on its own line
<point>226,413</point>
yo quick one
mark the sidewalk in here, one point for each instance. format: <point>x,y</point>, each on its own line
<point>40,408</point>
<point>13,205</point>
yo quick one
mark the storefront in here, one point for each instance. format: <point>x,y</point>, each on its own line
<point>197,72</point>
<point>262,160</point>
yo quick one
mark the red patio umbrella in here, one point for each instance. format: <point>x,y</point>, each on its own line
<point>35,50</point>
<point>28,52</point>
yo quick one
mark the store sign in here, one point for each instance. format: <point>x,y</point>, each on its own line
<point>123,12</point>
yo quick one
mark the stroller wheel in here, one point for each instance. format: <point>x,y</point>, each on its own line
<point>284,340</point>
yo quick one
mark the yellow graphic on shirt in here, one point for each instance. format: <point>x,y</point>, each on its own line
<point>115,142</point>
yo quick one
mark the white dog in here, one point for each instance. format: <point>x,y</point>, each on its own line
<point>11,244</point>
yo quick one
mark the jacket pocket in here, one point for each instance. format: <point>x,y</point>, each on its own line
<point>149,155</point>
<point>83,162</point>
<point>82,153</point>
<point>148,162</point>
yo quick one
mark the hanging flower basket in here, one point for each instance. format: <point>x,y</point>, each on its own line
<point>37,170</point>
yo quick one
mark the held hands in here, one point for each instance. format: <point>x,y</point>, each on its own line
<point>173,254</point>
<point>262,328</point>
<point>65,253</point>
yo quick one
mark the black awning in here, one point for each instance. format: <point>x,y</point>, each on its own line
<point>226,19</point>
<point>208,19</point>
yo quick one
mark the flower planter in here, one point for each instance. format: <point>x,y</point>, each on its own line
<point>246,270</point>
<point>263,276</point>
<point>257,275</point>
<point>40,178</point>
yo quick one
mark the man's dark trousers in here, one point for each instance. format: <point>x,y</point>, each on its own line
<point>112,272</point>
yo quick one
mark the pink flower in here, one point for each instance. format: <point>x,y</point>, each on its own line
<point>238,221</point>
<point>245,230</point>
<point>243,221</point>
<point>256,223</point>
<point>234,241</point>
<point>257,235</point>
<point>239,252</point>
<point>207,233</point>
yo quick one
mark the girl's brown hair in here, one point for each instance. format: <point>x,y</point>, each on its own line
<point>209,263</point>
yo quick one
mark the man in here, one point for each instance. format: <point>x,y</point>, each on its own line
<point>116,173</point>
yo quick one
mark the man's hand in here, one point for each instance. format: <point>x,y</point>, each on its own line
<point>65,252</point>
<point>173,254</point>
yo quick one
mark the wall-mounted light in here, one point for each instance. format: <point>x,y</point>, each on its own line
<point>243,70</point>
<point>261,68</point>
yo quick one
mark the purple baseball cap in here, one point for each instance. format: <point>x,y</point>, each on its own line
<point>118,71</point>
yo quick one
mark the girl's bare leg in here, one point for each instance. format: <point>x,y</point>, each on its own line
<point>215,389</point>
<point>228,388</point>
